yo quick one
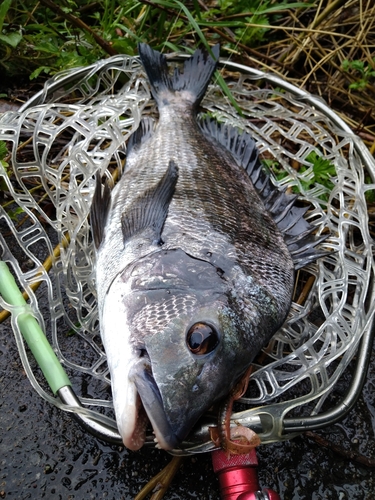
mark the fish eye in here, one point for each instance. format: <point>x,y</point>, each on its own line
<point>202,338</point>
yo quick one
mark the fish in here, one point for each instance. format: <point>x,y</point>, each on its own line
<point>196,252</point>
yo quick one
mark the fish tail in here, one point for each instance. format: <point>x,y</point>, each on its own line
<point>190,84</point>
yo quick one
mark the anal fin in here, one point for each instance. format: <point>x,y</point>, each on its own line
<point>148,212</point>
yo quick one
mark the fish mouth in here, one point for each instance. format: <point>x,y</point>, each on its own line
<point>150,398</point>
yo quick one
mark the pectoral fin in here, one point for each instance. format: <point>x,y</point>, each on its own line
<point>148,212</point>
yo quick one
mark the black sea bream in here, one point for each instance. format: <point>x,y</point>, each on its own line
<point>195,266</point>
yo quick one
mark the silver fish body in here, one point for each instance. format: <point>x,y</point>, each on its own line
<point>193,274</point>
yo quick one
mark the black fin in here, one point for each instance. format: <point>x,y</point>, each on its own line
<point>309,256</point>
<point>101,202</point>
<point>197,73</point>
<point>149,211</point>
<point>143,132</point>
<point>281,206</point>
<point>241,146</point>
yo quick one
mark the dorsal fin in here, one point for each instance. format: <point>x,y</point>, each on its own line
<point>281,206</point>
<point>143,132</point>
<point>148,212</point>
<point>241,146</point>
<point>101,202</point>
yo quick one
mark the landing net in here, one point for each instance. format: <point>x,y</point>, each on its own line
<point>79,124</point>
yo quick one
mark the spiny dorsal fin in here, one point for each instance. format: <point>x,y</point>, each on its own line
<point>101,202</point>
<point>143,132</point>
<point>194,79</point>
<point>240,145</point>
<point>149,211</point>
<point>281,206</point>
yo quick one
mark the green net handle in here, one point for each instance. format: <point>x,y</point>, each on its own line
<point>32,332</point>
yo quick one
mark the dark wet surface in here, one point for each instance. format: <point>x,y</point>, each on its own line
<point>45,454</point>
<point>7,105</point>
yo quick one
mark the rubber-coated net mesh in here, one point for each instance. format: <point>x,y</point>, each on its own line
<point>80,124</point>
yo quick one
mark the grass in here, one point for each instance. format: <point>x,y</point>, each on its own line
<point>46,37</point>
<point>325,47</point>
<point>322,173</point>
<point>363,74</point>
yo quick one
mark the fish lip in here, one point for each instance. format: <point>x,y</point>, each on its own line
<point>134,436</point>
<point>149,394</point>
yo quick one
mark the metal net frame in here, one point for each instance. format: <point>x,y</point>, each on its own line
<point>79,124</point>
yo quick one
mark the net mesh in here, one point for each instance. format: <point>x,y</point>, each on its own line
<point>79,125</point>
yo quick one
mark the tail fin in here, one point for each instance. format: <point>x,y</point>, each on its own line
<point>194,79</point>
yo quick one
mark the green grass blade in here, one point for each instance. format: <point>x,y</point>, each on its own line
<point>4,7</point>
<point>283,6</point>
<point>224,87</point>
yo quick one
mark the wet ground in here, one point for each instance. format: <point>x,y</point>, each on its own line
<point>45,454</point>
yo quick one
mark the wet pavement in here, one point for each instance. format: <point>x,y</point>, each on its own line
<point>45,454</point>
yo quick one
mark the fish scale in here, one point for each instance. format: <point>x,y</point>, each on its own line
<point>193,274</point>
<point>154,317</point>
<point>198,195</point>
<point>206,198</point>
